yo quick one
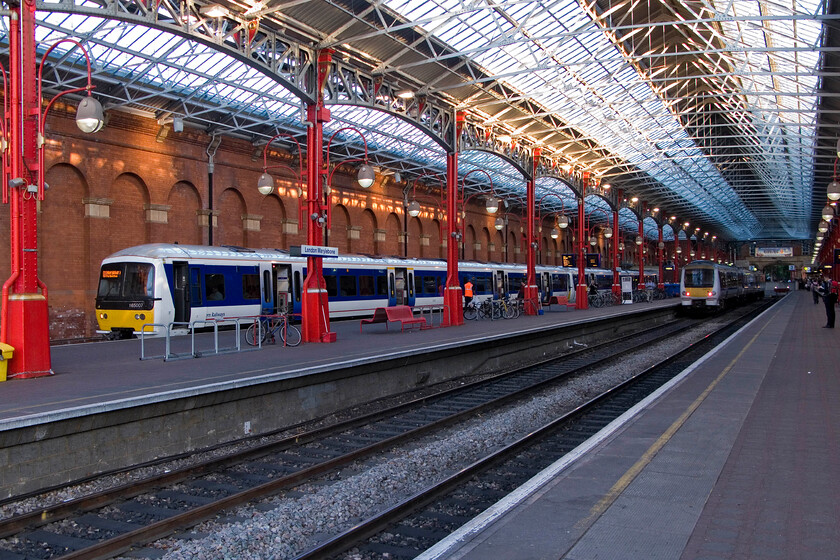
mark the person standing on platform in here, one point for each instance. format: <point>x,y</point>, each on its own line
<point>468,292</point>
<point>815,291</point>
<point>829,295</point>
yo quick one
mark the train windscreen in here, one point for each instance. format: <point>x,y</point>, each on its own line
<point>699,277</point>
<point>126,281</point>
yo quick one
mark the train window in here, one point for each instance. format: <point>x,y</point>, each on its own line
<point>195,286</point>
<point>297,285</point>
<point>699,277</point>
<point>418,284</point>
<point>348,286</point>
<point>214,287</point>
<point>266,285</point>
<point>366,286</point>
<point>251,286</point>
<point>560,282</point>
<point>332,284</point>
<point>430,285</point>
<point>382,285</point>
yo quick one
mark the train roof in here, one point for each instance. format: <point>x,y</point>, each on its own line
<point>174,251</point>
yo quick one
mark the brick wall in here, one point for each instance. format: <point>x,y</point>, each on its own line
<point>130,184</point>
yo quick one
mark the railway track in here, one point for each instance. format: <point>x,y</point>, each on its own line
<point>417,523</point>
<point>112,522</point>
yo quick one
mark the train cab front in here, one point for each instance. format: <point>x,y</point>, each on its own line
<point>125,299</point>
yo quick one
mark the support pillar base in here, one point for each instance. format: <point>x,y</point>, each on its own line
<point>582,295</point>
<point>29,334</point>
<point>453,305</point>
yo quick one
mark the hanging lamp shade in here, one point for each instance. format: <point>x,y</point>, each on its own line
<point>413,209</point>
<point>365,175</point>
<point>265,184</point>
<point>89,115</point>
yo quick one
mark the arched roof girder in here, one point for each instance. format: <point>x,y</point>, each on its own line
<point>651,228</point>
<point>290,64</point>
<point>549,191</point>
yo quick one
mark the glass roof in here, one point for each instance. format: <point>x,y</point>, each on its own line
<point>554,54</point>
<point>573,69</point>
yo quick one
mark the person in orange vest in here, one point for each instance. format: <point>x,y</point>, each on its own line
<point>468,292</point>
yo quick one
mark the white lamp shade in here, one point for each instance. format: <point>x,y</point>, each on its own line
<point>413,208</point>
<point>679,249</point>
<point>827,212</point>
<point>89,115</point>
<point>265,184</point>
<point>499,224</point>
<point>639,240</point>
<point>365,175</point>
<point>563,222</point>
<point>608,232</point>
<point>492,205</point>
<point>593,241</point>
<point>834,190</point>
<point>555,233</point>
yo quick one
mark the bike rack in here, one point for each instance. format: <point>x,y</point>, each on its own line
<point>169,355</point>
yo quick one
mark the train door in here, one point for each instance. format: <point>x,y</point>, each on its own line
<point>283,288</point>
<point>544,284</point>
<point>411,287</point>
<point>398,286</point>
<point>500,283</point>
<point>183,277</point>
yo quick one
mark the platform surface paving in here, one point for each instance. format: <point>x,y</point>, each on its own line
<point>97,377</point>
<point>738,459</point>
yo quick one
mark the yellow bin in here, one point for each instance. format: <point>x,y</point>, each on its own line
<point>6,354</point>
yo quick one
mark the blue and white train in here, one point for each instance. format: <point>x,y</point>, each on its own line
<point>165,283</point>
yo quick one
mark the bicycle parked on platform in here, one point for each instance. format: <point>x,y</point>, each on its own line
<point>265,327</point>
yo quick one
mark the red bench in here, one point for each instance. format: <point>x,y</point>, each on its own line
<point>560,300</point>
<point>379,316</point>
<point>405,316</point>
<point>401,313</point>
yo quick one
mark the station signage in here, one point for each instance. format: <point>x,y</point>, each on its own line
<point>313,251</point>
<point>774,251</point>
<point>593,260</point>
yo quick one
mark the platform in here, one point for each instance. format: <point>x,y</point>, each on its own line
<point>105,409</point>
<point>93,377</point>
<point>737,458</point>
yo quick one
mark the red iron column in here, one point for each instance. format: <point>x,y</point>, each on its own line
<point>453,302</point>
<point>582,293</point>
<point>531,293</point>
<point>616,287</point>
<point>315,304</point>
<point>24,294</point>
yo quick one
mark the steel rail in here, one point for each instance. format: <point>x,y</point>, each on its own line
<point>377,523</point>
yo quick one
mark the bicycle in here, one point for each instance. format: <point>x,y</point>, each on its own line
<point>471,311</point>
<point>264,329</point>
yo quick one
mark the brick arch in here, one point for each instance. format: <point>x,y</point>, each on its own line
<point>484,254</point>
<point>368,235</point>
<point>231,209</point>
<point>499,254</point>
<point>68,256</point>
<point>339,230</point>
<point>128,212</point>
<point>513,243</point>
<point>182,218</point>
<point>415,231</point>
<point>436,248</point>
<point>272,226</point>
<point>469,243</point>
<point>393,229</point>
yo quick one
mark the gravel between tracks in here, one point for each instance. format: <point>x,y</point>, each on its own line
<point>287,525</point>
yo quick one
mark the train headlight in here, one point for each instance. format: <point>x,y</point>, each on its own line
<point>140,316</point>
<point>103,315</point>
